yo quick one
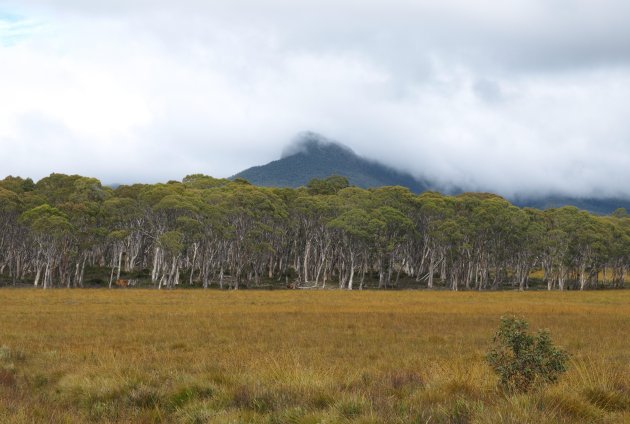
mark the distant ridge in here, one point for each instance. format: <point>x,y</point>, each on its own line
<point>313,156</point>
<point>599,206</point>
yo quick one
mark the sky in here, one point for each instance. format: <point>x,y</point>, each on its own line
<point>518,97</point>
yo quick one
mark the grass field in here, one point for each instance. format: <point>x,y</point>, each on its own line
<point>300,357</point>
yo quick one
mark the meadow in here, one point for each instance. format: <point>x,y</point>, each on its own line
<point>193,356</point>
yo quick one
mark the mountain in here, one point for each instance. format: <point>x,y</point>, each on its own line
<point>313,156</point>
<point>599,206</point>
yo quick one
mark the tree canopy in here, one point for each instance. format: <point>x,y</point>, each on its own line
<point>203,231</point>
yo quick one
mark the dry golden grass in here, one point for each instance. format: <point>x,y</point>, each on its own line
<point>127,356</point>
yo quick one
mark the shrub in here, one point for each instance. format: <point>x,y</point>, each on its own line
<point>522,360</point>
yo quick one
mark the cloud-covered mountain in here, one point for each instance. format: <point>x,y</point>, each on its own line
<point>313,156</point>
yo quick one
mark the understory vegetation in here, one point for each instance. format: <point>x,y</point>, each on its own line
<point>146,356</point>
<point>523,361</point>
<point>205,231</point>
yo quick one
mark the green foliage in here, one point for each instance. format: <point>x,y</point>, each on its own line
<point>46,219</point>
<point>172,242</point>
<point>330,185</point>
<point>355,223</point>
<point>241,181</point>
<point>521,360</point>
<point>200,181</point>
<point>9,201</point>
<point>213,228</point>
<point>17,184</point>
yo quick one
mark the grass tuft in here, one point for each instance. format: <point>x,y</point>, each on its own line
<point>608,400</point>
<point>351,407</point>
<point>7,378</point>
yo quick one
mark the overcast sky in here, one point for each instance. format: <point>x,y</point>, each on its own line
<point>516,96</point>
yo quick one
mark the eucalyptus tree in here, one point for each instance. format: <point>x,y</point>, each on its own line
<point>11,234</point>
<point>204,229</point>
<point>309,216</point>
<point>580,241</point>
<point>589,247</point>
<point>390,229</point>
<point>355,234</point>
<point>88,237</point>
<point>327,186</point>
<point>124,223</point>
<point>431,210</point>
<point>555,247</point>
<point>392,208</point>
<point>17,185</point>
<point>529,229</point>
<point>171,246</point>
<point>176,218</point>
<point>51,233</point>
<point>618,257</point>
<point>349,243</point>
<point>252,213</point>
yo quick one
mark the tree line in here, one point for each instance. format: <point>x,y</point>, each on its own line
<point>206,232</point>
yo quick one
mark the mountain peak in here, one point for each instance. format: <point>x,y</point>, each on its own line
<point>311,143</point>
<point>312,155</point>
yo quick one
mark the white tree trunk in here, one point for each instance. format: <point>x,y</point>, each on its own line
<point>350,280</point>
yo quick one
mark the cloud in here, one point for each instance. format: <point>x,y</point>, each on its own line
<point>14,29</point>
<point>518,97</point>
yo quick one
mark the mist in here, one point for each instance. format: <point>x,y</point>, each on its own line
<point>519,98</point>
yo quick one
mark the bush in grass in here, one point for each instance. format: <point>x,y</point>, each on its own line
<point>522,360</point>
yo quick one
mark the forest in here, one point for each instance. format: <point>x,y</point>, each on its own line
<point>71,231</point>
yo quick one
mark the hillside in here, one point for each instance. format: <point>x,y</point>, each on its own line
<point>315,157</point>
<point>599,206</point>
